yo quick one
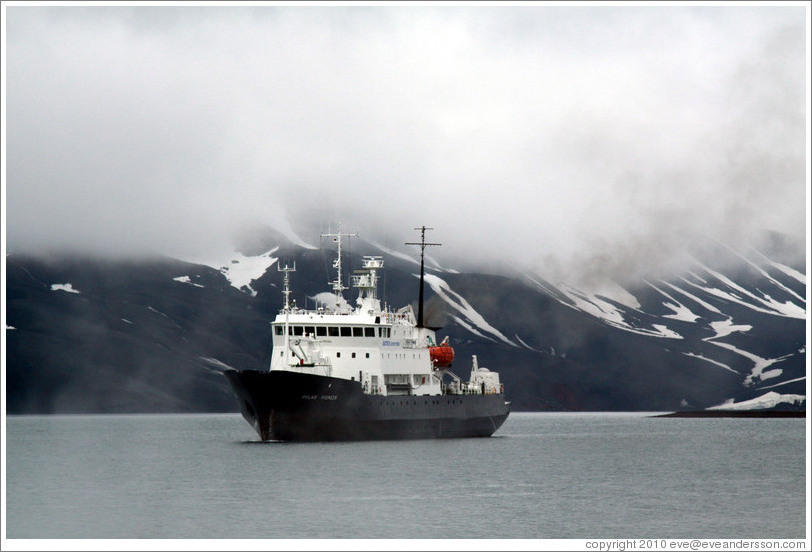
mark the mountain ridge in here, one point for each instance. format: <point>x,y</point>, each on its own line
<point>100,335</point>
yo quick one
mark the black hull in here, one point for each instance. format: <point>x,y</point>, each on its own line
<point>290,406</point>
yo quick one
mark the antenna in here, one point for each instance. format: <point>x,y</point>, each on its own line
<point>286,287</point>
<point>423,244</point>
<point>286,292</point>
<point>338,286</point>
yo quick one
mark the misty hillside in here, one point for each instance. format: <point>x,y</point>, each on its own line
<point>91,335</point>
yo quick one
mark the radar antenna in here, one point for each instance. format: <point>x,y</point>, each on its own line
<point>338,286</point>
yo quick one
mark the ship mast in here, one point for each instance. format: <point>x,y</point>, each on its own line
<point>423,244</point>
<point>338,287</point>
<point>286,292</point>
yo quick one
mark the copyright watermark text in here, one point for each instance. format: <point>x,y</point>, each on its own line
<point>622,545</point>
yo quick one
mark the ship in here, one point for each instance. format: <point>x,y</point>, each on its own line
<point>365,372</point>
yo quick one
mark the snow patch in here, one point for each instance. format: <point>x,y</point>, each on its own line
<point>594,306</point>
<point>614,291</point>
<point>726,327</point>
<point>238,269</point>
<point>699,301</point>
<point>610,314</point>
<point>766,275</point>
<point>768,400</point>
<point>765,303</point>
<point>759,364</point>
<point>791,272</point>
<point>783,383</point>
<point>662,331</point>
<point>64,287</point>
<point>769,374</point>
<point>219,365</point>
<point>187,280</point>
<point>706,359</point>
<point>156,311</point>
<point>469,327</point>
<point>681,312</point>
<point>459,303</point>
<point>520,340</point>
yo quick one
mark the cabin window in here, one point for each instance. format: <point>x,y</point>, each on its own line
<point>346,331</point>
<point>332,331</point>
<point>358,332</point>
<point>353,355</point>
<point>369,332</point>
<point>338,355</point>
<point>321,331</point>
<point>367,355</point>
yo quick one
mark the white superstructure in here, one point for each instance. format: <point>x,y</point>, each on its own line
<point>387,351</point>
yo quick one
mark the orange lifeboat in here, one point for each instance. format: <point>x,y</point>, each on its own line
<point>441,356</point>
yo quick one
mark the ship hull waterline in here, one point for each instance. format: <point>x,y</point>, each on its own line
<point>294,406</point>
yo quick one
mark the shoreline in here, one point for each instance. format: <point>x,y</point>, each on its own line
<point>734,414</point>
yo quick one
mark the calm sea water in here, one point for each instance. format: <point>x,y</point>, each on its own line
<point>542,476</point>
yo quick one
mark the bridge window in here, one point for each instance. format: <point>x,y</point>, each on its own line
<point>358,332</point>
<point>280,330</point>
<point>346,331</point>
<point>369,332</point>
<point>321,331</point>
<point>298,330</point>
<point>332,331</point>
<point>310,330</point>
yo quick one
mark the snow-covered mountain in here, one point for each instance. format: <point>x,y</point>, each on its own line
<point>729,321</point>
<point>726,332</point>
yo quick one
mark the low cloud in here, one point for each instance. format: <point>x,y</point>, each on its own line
<point>569,138</point>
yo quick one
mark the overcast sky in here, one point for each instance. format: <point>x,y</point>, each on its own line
<point>570,136</point>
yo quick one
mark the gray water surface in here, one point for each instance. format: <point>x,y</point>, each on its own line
<point>541,476</point>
